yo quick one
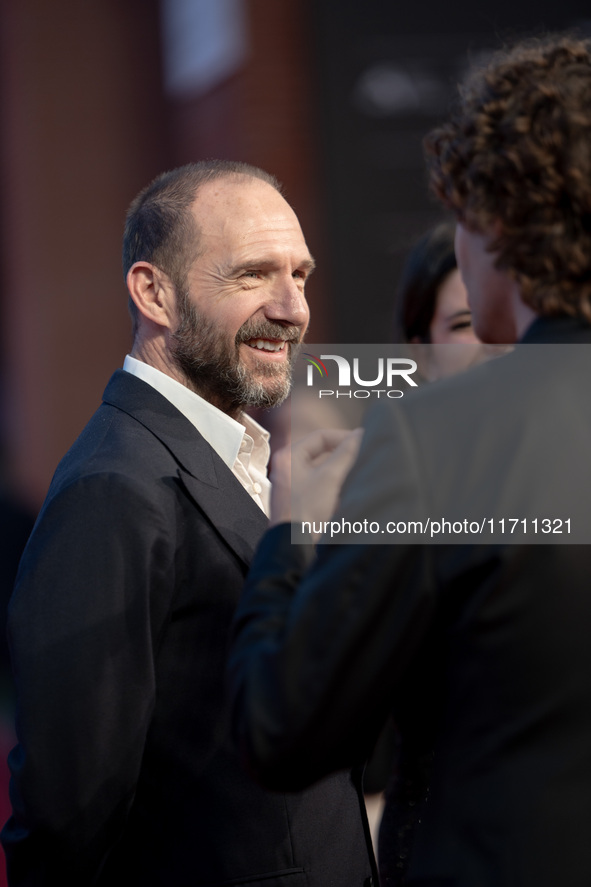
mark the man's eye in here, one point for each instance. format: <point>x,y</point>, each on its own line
<point>251,274</point>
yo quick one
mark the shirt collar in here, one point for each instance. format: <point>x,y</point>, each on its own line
<point>221,432</point>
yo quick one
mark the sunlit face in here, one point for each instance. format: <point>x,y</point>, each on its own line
<point>245,311</point>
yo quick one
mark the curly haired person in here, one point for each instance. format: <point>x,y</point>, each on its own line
<point>481,651</point>
<point>514,165</point>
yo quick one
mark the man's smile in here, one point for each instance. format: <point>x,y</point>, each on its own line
<point>267,344</point>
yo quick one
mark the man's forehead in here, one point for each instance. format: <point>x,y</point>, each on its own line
<point>222,195</point>
<point>246,212</point>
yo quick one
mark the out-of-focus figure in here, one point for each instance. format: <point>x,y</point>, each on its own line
<point>432,308</point>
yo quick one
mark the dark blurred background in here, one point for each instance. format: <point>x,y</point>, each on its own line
<point>333,96</point>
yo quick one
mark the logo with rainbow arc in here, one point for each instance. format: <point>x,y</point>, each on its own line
<point>312,362</point>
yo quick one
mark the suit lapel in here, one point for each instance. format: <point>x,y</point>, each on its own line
<point>205,477</point>
<point>233,513</point>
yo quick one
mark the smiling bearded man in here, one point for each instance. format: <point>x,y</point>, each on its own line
<point>120,618</point>
<point>213,367</point>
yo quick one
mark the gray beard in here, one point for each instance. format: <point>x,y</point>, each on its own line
<point>213,367</point>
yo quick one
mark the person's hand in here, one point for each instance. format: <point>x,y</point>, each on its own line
<point>307,477</point>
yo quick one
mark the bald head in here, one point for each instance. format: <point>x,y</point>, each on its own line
<point>161,226</point>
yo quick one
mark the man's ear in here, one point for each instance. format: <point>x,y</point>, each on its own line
<point>152,292</point>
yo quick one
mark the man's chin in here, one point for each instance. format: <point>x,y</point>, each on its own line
<point>263,391</point>
<point>260,370</point>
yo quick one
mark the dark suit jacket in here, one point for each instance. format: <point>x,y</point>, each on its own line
<point>16,524</point>
<point>124,772</point>
<point>483,652</point>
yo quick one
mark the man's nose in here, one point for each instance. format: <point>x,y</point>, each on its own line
<point>288,303</point>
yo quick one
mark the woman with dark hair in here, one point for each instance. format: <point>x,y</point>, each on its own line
<point>430,284</point>
<point>432,306</point>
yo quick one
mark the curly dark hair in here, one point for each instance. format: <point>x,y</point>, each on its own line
<point>515,158</point>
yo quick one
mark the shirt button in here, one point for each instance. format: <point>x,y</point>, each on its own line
<point>257,488</point>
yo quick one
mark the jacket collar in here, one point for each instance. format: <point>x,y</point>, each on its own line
<point>557,330</point>
<point>206,478</point>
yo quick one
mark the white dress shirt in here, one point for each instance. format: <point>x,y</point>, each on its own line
<point>243,447</point>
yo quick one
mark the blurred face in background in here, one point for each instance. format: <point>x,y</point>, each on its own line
<point>454,346</point>
<point>452,320</point>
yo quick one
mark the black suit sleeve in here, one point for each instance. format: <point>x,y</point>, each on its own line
<point>319,650</point>
<point>84,622</point>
